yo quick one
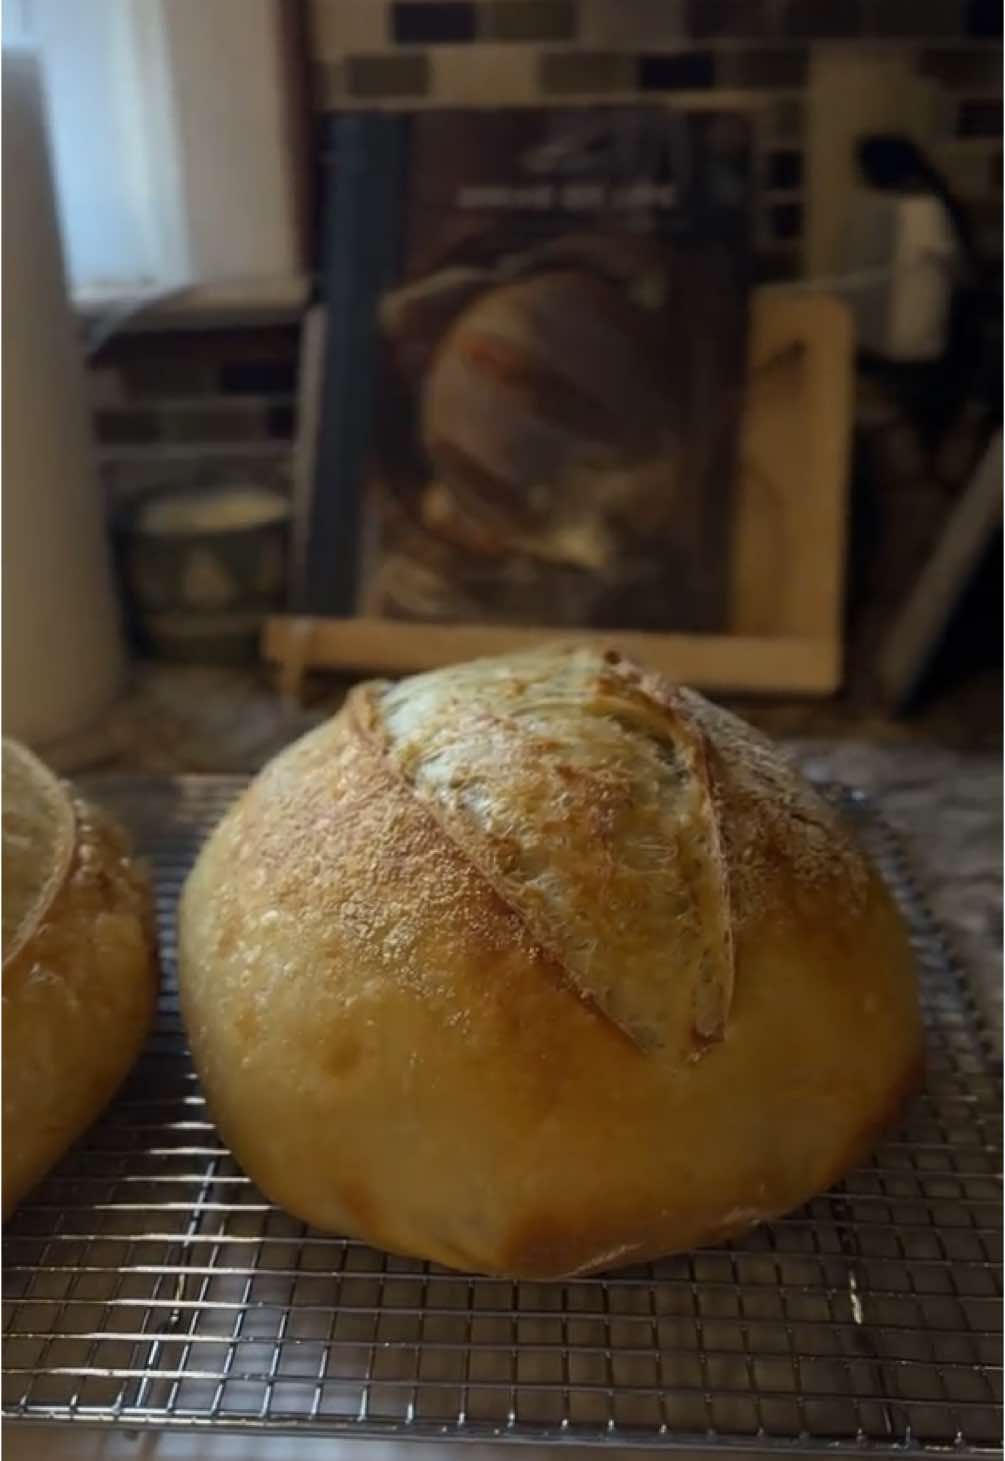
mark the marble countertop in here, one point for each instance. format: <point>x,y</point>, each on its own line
<point>946,805</point>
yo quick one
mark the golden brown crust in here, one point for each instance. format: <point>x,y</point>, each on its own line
<point>580,789</point>
<point>714,990</point>
<point>394,1052</point>
<point>623,690</point>
<point>39,830</point>
<point>78,997</point>
<point>362,715</point>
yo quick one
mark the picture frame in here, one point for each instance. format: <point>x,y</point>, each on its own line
<point>781,629</point>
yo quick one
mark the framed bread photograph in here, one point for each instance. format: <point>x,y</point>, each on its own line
<point>547,401</point>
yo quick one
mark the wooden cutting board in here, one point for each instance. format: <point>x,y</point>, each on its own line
<point>784,621</point>
<point>791,494</point>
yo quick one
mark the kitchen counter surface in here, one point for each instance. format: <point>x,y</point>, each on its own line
<point>947,806</point>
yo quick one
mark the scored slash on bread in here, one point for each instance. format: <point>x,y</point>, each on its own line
<point>39,827</point>
<point>468,757</point>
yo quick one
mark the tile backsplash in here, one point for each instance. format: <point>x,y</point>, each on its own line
<point>194,408</point>
<point>435,22</point>
<point>766,55</point>
<point>198,405</point>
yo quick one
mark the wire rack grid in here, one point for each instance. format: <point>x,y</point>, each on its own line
<point>148,1283</point>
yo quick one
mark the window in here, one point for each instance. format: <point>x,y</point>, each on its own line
<point>177,153</point>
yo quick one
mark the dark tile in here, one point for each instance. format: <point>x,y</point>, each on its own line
<point>328,126</point>
<point>400,74</point>
<point>763,67</point>
<point>195,350</point>
<point>786,221</point>
<point>258,378</point>
<point>281,420</point>
<point>812,18</point>
<point>788,118</point>
<point>986,213</point>
<point>128,428</point>
<point>726,17</point>
<point>683,71</point>
<point>784,169</point>
<point>530,20</point>
<point>778,264</point>
<point>979,119</point>
<point>966,170</point>
<point>327,84</point>
<point>631,24</point>
<point>918,18</point>
<point>432,21</point>
<point>158,377</point>
<point>216,425</point>
<point>975,66</point>
<point>984,18</point>
<point>570,72</point>
<point>986,222</point>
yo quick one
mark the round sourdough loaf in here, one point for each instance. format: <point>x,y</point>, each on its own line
<point>540,965</point>
<point>79,968</point>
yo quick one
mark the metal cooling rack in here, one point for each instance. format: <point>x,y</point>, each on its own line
<point>148,1283</point>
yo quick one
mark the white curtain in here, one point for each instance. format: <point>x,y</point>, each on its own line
<point>170,138</point>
